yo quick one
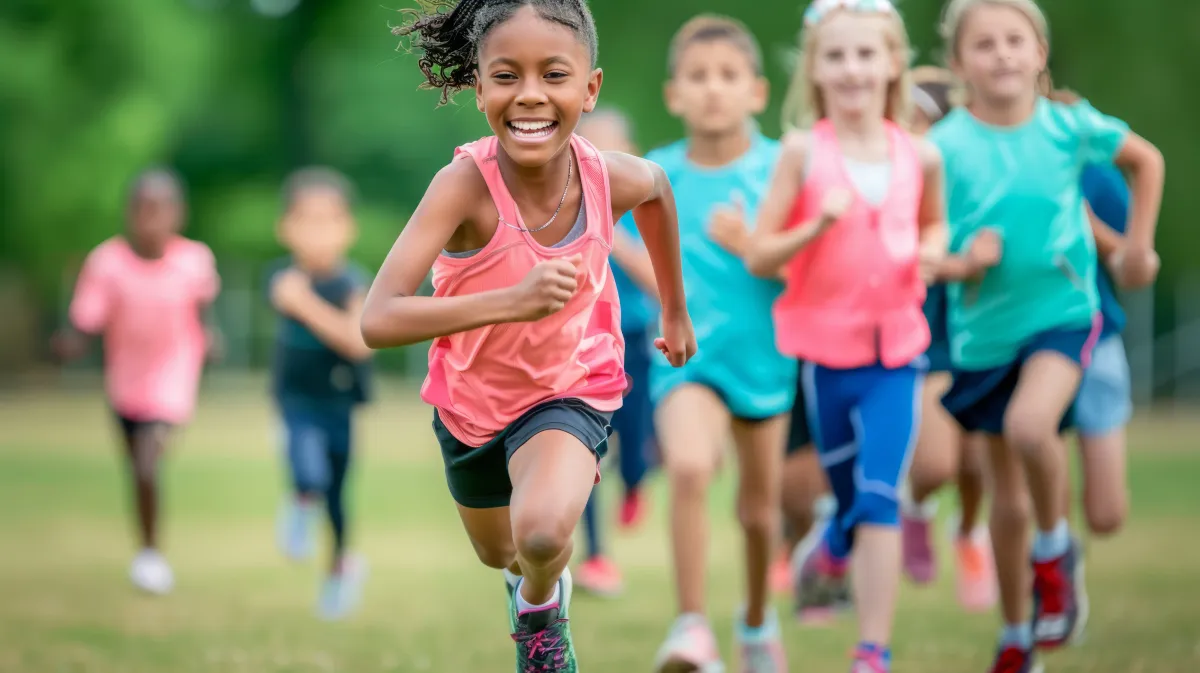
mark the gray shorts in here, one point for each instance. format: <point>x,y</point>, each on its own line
<point>478,475</point>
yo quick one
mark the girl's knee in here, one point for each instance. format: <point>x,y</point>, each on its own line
<point>1030,432</point>
<point>1107,518</point>
<point>758,516</point>
<point>1011,512</point>
<point>542,538</point>
<point>691,477</point>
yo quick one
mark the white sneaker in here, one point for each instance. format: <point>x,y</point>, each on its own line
<point>690,647</point>
<point>151,573</point>
<point>341,593</point>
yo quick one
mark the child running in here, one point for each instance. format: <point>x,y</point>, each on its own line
<point>633,423</point>
<point>319,374</point>
<point>147,294</point>
<point>737,382</point>
<point>943,451</point>
<point>854,216</point>
<point>1105,403</point>
<point>1023,302</point>
<point>525,368</point>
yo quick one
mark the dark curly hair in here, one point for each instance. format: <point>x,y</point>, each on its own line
<point>448,33</point>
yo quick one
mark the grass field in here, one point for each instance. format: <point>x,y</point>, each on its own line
<point>65,543</point>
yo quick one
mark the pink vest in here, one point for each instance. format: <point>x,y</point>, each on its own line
<point>854,295</point>
<point>482,380</point>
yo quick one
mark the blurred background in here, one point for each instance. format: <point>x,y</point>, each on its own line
<point>235,94</point>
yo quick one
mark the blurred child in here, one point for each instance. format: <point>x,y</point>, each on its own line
<point>319,372</point>
<point>943,452</point>
<point>1105,405</point>
<point>854,218</point>
<point>633,423</point>
<point>1023,303</point>
<point>738,381</point>
<point>147,293</point>
<point>527,361</point>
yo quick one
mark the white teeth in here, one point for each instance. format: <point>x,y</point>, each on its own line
<point>531,126</point>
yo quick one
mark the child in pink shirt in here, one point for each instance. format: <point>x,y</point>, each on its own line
<point>854,208</point>
<point>146,294</point>
<point>525,368</point>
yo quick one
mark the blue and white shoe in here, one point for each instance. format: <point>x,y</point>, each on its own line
<point>341,592</point>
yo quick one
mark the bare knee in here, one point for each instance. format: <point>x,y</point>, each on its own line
<point>1107,518</point>
<point>757,515</point>
<point>931,471</point>
<point>691,478</point>
<point>543,538</point>
<point>1030,433</point>
<point>1011,512</point>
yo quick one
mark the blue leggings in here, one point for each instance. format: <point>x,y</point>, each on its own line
<point>318,452</point>
<point>633,424</point>
<point>864,422</point>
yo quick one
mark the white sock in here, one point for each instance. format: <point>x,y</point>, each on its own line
<point>513,580</point>
<point>525,606</point>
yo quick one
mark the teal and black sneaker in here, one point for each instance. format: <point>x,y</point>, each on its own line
<point>543,636</point>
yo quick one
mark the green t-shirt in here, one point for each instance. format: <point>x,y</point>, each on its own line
<point>1023,182</point>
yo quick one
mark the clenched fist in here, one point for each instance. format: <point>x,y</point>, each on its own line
<point>545,289</point>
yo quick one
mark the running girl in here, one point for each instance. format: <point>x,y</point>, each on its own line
<point>525,369</point>
<point>147,294</point>
<point>854,213</point>
<point>1023,304</point>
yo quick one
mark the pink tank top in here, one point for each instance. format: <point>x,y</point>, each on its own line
<point>854,295</point>
<point>482,380</point>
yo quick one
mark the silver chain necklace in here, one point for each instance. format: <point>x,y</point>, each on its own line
<point>561,201</point>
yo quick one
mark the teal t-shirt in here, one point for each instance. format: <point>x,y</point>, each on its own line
<point>1023,182</point>
<point>729,307</point>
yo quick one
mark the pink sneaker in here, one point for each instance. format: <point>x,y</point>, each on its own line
<point>690,647</point>
<point>633,509</point>
<point>976,572</point>
<point>920,563</point>
<point>599,576</point>
<point>779,575</point>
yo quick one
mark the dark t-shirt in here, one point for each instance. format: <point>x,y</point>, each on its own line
<point>305,370</point>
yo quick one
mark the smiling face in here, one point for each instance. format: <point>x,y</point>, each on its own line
<point>853,63</point>
<point>535,81</point>
<point>999,54</point>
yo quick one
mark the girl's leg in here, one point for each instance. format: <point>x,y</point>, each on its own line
<point>1047,387</point>
<point>552,476</point>
<point>591,528</point>
<point>971,481</point>
<point>935,462</point>
<point>597,575</point>
<point>803,486</point>
<point>760,461</point>
<point>1105,488</point>
<point>1009,522</point>
<point>888,423</point>
<point>693,424</point>
<point>145,444</point>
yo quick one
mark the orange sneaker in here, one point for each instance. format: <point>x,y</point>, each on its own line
<point>599,576</point>
<point>633,509</point>
<point>976,572</point>
<point>779,575</point>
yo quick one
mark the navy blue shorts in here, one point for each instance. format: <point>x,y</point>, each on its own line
<point>478,475</point>
<point>978,400</point>
<point>131,427</point>
<point>799,433</point>
<point>318,439</point>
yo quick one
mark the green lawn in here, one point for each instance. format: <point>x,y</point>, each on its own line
<point>65,542</point>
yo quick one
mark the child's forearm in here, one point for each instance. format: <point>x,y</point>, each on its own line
<point>657,221</point>
<point>334,327</point>
<point>1108,240</point>
<point>767,255</point>
<point>1146,187</point>
<point>403,320</point>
